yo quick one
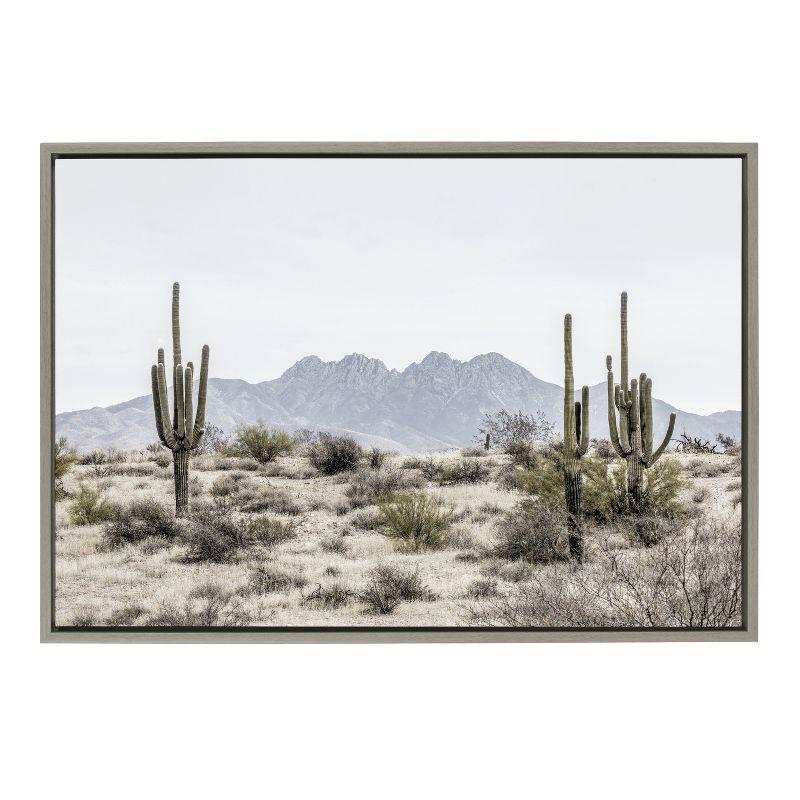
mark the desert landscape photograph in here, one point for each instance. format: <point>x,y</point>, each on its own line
<point>439,393</point>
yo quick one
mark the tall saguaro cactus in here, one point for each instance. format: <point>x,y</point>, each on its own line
<point>576,443</point>
<point>633,439</point>
<point>182,430</point>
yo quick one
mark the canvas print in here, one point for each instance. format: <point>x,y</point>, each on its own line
<point>411,393</point>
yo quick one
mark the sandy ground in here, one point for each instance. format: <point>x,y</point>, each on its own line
<point>94,584</point>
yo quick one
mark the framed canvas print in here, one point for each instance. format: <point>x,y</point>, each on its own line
<point>399,392</point>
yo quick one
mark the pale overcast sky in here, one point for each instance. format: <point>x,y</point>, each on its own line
<point>283,258</point>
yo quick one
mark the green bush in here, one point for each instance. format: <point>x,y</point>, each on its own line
<point>604,494</point>
<point>262,443</point>
<point>90,507</point>
<point>415,520</point>
<point>333,454</point>
<point>64,457</point>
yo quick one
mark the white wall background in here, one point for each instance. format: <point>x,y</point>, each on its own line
<point>663,721</point>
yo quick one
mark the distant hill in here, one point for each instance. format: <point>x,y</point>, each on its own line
<point>434,405</point>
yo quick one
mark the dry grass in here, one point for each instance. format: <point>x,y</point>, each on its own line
<point>308,565</point>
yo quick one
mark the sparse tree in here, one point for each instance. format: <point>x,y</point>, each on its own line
<point>505,429</point>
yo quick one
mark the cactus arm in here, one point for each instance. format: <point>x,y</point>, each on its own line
<point>169,433</point>
<point>613,402</point>
<point>180,408</point>
<point>200,419</point>
<point>633,414</point>
<point>188,377</point>
<point>157,404</point>
<point>578,422</point>
<point>176,348</point>
<point>176,323</point>
<point>643,421</point>
<point>623,319</point>
<point>570,442</point>
<point>583,447</point>
<point>670,430</point>
<point>647,419</point>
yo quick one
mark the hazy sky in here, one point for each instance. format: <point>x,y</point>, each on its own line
<point>393,258</point>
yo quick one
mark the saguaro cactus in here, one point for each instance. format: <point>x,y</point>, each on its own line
<point>182,430</point>
<point>576,443</point>
<point>633,440</point>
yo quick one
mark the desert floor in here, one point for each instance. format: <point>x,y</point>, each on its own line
<point>134,585</point>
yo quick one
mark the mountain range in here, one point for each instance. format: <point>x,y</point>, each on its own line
<point>434,405</point>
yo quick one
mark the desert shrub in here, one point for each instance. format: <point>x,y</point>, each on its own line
<point>465,471</point>
<point>293,471</point>
<point>543,480</point>
<point>213,535</point>
<point>85,617</point>
<point>265,579</point>
<point>691,578</point>
<point>208,604</point>
<point>329,597</point>
<point>277,501</point>
<point>726,441</point>
<point>64,457</point>
<point>331,571</point>
<point>699,469</point>
<point>342,507</point>
<point>504,428</point>
<point>415,520</point>
<point>226,485</point>
<point>90,507</point>
<point>388,586</point>
<point>262,443</point>
<point>366,520</point>
<point>368,487</point>
<point>474,452</point>
<point>603,449</point>
<point>649,531</point>
<point>481,588</point>
<point>734,486</point>
<point>139,520</point>
<point>125,616</point>
<point>334,544</point>
<point>523,453</point>
<point>459,539</point>
<point>305,436</point>
<point>663,484</point>
<point>376,458</point>
<point>240,462</point>
<point>700,495</point>
<point>428,467</point>
<point>333,454</point>
<point>734,450</point>
<point>268,531</point>
<point>214,440</point>
<point>143,469</point>
<point>533,532</point>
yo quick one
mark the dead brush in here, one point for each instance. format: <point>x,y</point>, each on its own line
<point>329,597</point>
<point>267,579</point>
<point>387,587</point>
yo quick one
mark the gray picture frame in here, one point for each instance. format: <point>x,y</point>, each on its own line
<point>748,152</point>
